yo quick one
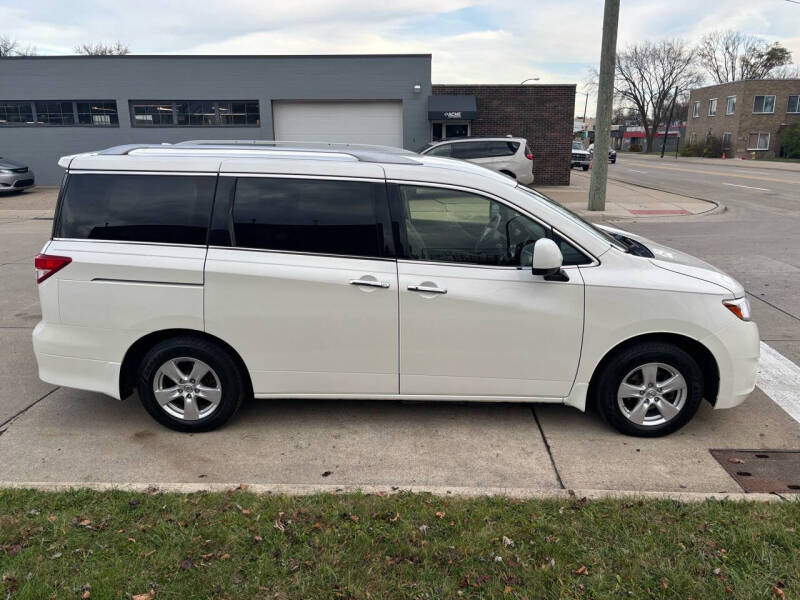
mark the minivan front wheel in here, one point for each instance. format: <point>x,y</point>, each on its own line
<point>190,384</point>
<point>650,389</point>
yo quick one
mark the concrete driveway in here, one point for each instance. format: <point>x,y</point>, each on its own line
<point>50,434</point>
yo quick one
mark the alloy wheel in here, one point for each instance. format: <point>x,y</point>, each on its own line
<point>187,389</point>
<point>652,394</point>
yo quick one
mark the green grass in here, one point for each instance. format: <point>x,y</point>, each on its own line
<point>239,545</point>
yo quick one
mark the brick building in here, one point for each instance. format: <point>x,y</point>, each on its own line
<point>748,116</point>
<point>543,114</point>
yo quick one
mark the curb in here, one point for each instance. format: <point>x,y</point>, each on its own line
<point>716,209</point>
<point>453,491</point>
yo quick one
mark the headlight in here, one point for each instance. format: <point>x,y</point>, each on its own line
<point>739,307</point>
<point>7,171</point>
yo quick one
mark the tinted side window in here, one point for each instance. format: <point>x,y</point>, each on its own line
<point>465,150</point>
<point>499,148</point>
<point>572,256</point>
<point>443,150</point>
<point>172,209</point>
<point>453,226</point>
<point>305,215</point>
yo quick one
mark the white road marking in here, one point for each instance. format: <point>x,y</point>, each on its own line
<point>779,378</point>
<point>637,171</point>
<point>747,186</point>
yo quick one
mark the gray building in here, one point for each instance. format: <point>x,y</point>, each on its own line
<point>52,106</point>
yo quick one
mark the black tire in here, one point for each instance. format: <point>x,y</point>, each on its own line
<point>613,161</point>
<point>232,383</point>
<point>585,167</point>
<point>623,363</point>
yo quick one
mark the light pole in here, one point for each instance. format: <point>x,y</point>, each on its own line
<point>530,79</point>
<point>584,104</point>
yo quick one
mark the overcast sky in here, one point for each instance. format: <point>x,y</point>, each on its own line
<point>492,41</point>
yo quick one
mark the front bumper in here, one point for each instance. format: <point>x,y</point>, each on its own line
<point>736,350</point>
<point>10,182</point>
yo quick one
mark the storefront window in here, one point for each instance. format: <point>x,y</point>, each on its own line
<point>447,130</point>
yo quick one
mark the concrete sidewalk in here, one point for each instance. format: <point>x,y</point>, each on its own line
<point>623,200</point>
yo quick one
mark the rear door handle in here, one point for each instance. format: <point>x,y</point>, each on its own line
<point>369,283</point>
<point>427,289</point>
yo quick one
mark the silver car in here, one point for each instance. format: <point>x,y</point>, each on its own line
<point>14,176</point>
<point>507,155</point>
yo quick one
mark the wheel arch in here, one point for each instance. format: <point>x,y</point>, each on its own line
<point>134,355</point>
<point>699,352</point>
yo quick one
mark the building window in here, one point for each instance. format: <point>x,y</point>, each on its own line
<point>726,140</point>
<point>101,113</point>
<point>712,107</point>
<point>764,105</point>
<point>69,113</point>
<point>195,113</point>
<point>731,107</point>
<point>758,141</point>
<point>16,113</point>
<point>794,104</point>
<point>696,110</point>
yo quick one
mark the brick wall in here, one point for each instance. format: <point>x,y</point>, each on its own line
<point>743,121</point>
<point>543,114</point>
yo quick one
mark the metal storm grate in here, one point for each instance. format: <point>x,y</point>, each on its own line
<point>762,470</point>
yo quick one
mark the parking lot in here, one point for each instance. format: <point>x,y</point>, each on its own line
<point>59,435</point>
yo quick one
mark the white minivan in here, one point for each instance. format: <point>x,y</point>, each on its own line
<point>200,275</point>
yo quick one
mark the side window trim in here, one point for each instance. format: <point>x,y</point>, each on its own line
<point>395,206</point>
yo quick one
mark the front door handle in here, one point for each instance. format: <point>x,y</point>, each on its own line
<point>369,283</point>
<point>427,289</point>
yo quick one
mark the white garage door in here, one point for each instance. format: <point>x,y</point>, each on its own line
<point>372,122</point>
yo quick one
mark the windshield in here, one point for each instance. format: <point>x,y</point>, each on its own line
<point>423,148</point>
<point>585,225</point>
<point>577,146</point>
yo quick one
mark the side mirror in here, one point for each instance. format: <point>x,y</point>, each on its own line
<point>547,258</point>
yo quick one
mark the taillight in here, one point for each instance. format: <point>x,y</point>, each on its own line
<point>47,264</point>
<point>529,156</point>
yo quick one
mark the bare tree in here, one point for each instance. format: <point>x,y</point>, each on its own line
<point>11,47</point>
<point>102,49</point>
<point>647,75</point>
<point>732,56</point>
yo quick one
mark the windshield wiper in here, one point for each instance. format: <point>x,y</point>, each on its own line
<point>633,247</point>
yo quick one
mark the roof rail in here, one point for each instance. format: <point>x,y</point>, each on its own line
<point>272,149</point>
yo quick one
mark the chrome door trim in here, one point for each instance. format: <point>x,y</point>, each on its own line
<point>370,283</point>
<point>427,289</point>
<point>132,172</point>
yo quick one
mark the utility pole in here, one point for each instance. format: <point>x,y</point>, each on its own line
<point>605,97</point>
<point>669,122</point>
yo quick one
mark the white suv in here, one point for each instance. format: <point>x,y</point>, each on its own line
<point>202,275</point>
<point>507,155</point>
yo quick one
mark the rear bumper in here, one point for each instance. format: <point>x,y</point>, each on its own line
<point>736,350</point>
<point>525,178</point>
<point>83,373</point>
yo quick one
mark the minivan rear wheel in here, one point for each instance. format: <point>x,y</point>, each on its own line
<point>190,384</point>
<point>649,389</point>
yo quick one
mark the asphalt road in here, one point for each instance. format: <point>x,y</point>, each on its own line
<point>756,238</point>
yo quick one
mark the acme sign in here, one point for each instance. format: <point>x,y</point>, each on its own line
<point>453,114</point>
